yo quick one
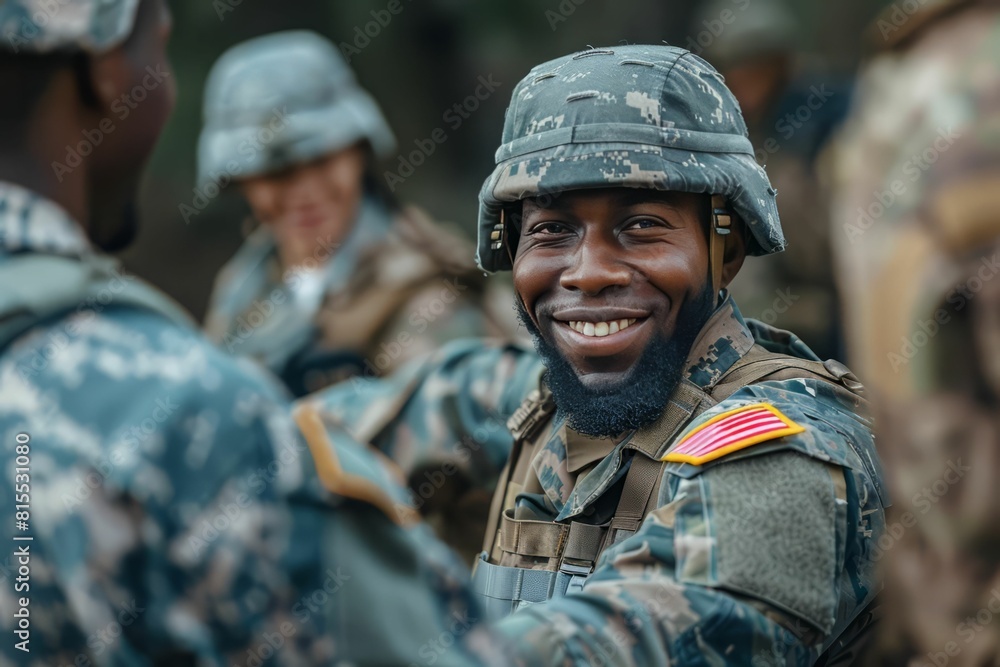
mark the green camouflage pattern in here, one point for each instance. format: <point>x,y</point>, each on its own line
<point>664,595</point>
<point>396,289</point>
<point>45,26</point>
<point>259,118</point>
<point>176,514</point>
<point>915,196</point>
<point>589,120</point>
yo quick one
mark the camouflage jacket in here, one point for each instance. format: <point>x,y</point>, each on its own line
<point>760,557</point>
<point>173,514</point>
<point>398,287</point>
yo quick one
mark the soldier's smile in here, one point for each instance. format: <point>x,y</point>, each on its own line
<point>604,272</point>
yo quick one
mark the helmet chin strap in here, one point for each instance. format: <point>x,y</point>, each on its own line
<point>722,224</point>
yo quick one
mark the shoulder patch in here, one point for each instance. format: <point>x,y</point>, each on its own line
<point>732,431</point>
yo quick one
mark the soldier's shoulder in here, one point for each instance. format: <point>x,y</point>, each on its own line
<point>128,367</point>
<point>806,415</point>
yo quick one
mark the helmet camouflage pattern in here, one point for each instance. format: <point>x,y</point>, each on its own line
<point>638,116</point>
<point>280,100</point>
<point>44,26</point>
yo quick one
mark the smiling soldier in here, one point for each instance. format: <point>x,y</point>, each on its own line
<point>685,486</point>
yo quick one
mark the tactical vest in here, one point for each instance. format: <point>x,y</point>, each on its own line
<point>35,288</point>
<point>563,554</point>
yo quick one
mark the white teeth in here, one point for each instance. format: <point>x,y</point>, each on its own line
<point>601,329</point>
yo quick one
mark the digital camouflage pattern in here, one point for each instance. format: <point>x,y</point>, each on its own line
<point>807,509</point>
<point>395,289</point>
<point>453,453</point>
<point>42,26</point>
<point>626,116</point>
<point>916,190</point>
<point>176,515</point>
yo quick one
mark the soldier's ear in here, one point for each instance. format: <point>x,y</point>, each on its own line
<point>102,80</point>
<point>736,251</point>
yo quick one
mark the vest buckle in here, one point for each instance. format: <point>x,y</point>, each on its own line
<point>575,576</point>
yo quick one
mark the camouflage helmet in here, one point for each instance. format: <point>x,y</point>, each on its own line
<point>280,100</point>
<point>627,116</point>
<point>44,26</point>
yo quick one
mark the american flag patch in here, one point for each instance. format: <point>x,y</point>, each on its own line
<point>731,431</point>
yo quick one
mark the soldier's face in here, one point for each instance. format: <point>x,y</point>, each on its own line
<point>313,204</point>
<point>604,273</point>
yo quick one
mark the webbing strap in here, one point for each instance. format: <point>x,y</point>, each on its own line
<point>759,365</point>
<point>722,222</point>
<point>541,539</point>
<point>504,589</point>
<point>641,479</point>
<point>584,542</point>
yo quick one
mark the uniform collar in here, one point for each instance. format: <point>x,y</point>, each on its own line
<point>32,223</point>
<point>723,340</point>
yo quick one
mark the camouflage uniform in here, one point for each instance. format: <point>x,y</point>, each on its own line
<point>173,515</point>
<point>917,240</point>
<point>622,551</point>
<point>395,289</point>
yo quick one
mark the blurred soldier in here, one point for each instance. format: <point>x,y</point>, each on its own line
<point>166,511</point>
<point>791,105</point>
<point>916,231</point>
<point>336,280</point>
<point>686,487</point>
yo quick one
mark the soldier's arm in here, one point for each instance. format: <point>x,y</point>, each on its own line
<point>448,408</point>
<point>758,558</point>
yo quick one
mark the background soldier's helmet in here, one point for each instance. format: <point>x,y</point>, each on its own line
<point>280,100</point>
<point>627,116</point>
<point>45,26</point>
<point>751,30</point>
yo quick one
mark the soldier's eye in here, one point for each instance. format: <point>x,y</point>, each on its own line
<point>547,228</point>
<point>645,223</point>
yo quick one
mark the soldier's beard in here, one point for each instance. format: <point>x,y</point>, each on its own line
<point>639,398</point>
